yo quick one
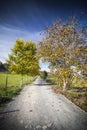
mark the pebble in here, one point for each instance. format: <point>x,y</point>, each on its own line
<point>44,127</point>
<point>49,125</point>
<point>30,110</point>
<point>38,127</point>
<point>26,126</point>
<point>21,121</point>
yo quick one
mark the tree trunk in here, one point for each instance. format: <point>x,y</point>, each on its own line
<point>64,84</point>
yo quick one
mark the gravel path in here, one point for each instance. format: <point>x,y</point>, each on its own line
<point>39,108</point>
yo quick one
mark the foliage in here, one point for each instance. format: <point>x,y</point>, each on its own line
<point>2,67</point>
<point>64,46</point>
<point>44,74</point>
<point>50,79</point>
<point>9,93</point>
<point>13,87</point>
<point>22,60</point>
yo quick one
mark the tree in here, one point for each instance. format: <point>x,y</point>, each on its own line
<point>22,59</point>
<point>44,74</point>
<point>64,46</point>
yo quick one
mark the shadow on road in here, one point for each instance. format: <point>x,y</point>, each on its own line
<point>43,84</point>
<point>5,112</point>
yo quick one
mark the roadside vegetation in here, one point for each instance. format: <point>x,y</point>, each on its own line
<point>14,85</point>
<point>43,74</point>
<point>77,93</point>
<point>64,47</point>
<point>20,69</point>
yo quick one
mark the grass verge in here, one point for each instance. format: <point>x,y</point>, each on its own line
<point>7,94</point>
<point>77,95</point>
<point>13,86</point>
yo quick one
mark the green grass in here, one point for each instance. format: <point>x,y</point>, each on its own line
<point>13,85</point>
<point>12,79</point>
<point>7,94</point>
<point>51,80</point>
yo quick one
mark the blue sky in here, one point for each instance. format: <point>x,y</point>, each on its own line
<point>28,18</point>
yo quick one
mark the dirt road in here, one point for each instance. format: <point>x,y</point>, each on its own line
<point>39,108</point>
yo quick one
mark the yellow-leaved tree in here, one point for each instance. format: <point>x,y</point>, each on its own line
<point>22,59</point>
<point>64,46</point>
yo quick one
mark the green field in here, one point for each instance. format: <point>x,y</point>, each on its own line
<point>13,80</point>
<point>14,85</point>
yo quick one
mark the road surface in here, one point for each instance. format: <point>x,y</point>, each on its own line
<point>37,107</point>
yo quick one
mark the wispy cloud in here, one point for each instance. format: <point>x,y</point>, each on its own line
<point>8,35</point>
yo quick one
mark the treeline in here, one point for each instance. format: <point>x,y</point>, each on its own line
<point>3,67</point>
<point>64,46</point>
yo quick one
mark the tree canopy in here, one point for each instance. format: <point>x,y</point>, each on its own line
<point>23,59</point>
<point>64,46</point>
